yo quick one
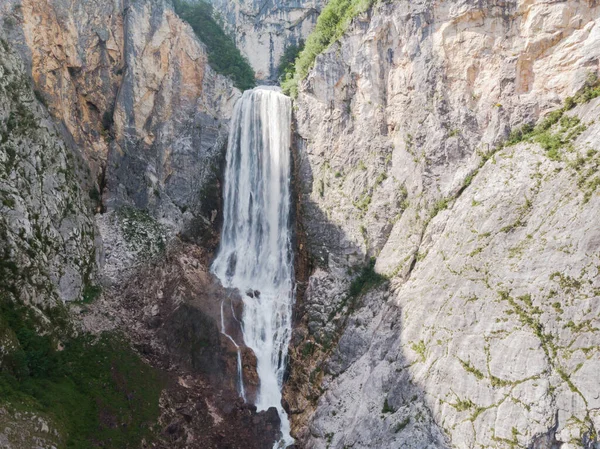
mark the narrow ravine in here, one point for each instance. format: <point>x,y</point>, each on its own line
<point>255,255</point>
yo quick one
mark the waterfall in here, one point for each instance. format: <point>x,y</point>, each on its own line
<point>255,255</point>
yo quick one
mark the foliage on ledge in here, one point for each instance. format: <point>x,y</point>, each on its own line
<point>331,26</point>
<point>223,55</point>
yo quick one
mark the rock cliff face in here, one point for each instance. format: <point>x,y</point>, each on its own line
<point>131,88</point>
<point>46,225</point>
<point>485,334</point>
<point>449,283</point>
<point>263,29</point>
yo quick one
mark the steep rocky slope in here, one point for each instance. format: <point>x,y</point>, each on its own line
<point>448,290</point>
<point>262,30</point>
<point>485,334</point>
<point>46,222</point>
<point>113,109</point>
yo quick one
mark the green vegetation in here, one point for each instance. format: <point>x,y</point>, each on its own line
<point>402,424</point>
<point>308,349</point>
<point>90,293</point>
<point>471,369</point>
<point>223,55</point>
<point>141,231</point>
<point>420,349</point>
<point>566,282</point>
<point>331,25</point>
<point>587,167</point>
<point>557,130</point>
<point>462,405</point>
<point>438,206</point>
<point>366,280</point>
<point>287,62</point>
<point>363,203</point>
<point>530,316</point>
<point>97,393</point>
<point>387,408</point>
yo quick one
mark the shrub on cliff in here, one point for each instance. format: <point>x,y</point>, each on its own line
<point>223,55</point>
<point>287,62</point>
<point>331,25</point>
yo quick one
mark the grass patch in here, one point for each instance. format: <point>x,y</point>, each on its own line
<point>529,316</point>
<point>420,349</point>
<point>387,408</point>
<point>556,130</point>
<point>463,405</point>
<point>366,280</point>
<point>471,369</point>
<point>90,293</point>
<point>223,55</point>
<point>97,391</point>
<point>402,424</point>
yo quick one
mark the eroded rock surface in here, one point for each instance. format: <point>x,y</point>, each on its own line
<point>171,311</point>
<point>47,249</point>
<point>131,89</point>
<point>486,333</point>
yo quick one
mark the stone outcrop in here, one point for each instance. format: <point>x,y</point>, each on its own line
<point>485,334</point>
<point>47,248</point>
<point>263,30</point>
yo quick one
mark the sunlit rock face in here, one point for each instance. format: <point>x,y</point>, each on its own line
<point>131,88</point>
<point>486,333</point>
<point>262,30</point>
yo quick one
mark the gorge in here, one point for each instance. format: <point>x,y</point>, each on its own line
<point>403,252</point>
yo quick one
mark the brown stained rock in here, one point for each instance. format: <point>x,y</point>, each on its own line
<point>171,311</point>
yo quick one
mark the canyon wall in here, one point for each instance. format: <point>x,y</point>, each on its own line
<point>46,222</point>
<point>448,282</point>
<point>113,130</point>
<point>477,326</point>
<point>263,29</point>
<point>131,89</point>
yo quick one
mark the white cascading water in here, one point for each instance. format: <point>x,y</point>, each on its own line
<point>255,252</point>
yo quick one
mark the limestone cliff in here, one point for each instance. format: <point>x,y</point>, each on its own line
<point>485,334</point>
<point>130,85</point>
<point>448,250</point>
<point>46,225</point>
<point>263,29</point>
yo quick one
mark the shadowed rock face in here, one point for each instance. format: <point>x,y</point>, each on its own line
<point>263,29</point>
<point>485,334</point>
